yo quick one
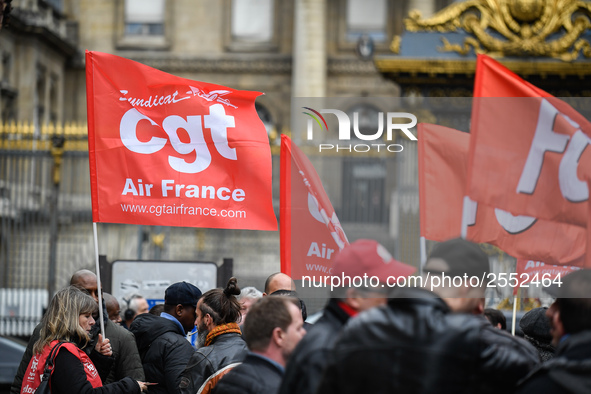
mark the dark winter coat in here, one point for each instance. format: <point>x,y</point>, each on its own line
<point>127,360</point>
<point>568,372</point>
<point>225,349</point>
<point>416,345</point>
<point>69,377</point>
<point>255,375</point>
<point>164,351</point>
<point>307,362</point>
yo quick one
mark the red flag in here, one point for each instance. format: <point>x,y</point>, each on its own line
<point>538,273</point>
<point>311,234</point>
<point>527,152</point>
<point>443,156</point>
<point>170,151</point>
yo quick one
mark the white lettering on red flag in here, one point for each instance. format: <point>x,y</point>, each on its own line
<point>443,157</point>
<point>528,152</point>
<point>170,151</point>
<point>311,234</point>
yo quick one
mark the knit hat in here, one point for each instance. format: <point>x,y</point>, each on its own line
<point>535,324</point>
<point>182,293</point>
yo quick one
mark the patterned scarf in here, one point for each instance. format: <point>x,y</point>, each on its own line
<point>222,329</point>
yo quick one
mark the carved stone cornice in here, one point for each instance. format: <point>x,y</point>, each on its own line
<point>445,67</point>
<point>49,27</point>
<point>262,65</point>
<point>351,66</point>
<point>258,65</point>
<point>539,28</point>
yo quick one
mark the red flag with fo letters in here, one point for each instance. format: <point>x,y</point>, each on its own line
<point>170,151</point>
<point>310,232</point>
<point>528,149</point>
<point>443,158</point>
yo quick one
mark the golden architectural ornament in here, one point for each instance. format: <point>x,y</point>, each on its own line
<point>545,28</point>
<point>395,45</point>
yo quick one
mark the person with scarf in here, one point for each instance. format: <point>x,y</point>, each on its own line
<point>219,338</point>
<point>67,323</point>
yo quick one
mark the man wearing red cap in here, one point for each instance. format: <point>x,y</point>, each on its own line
<point>361,259</point>
<point>429,340</point>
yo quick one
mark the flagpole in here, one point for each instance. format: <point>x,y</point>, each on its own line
<point>423,253</point>
<point>514,314</point>
<point>587,263</point>
<point>465,207</point>
<point>98,279</point>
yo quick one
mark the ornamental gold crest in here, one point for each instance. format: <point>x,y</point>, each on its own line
<point>544,28</point>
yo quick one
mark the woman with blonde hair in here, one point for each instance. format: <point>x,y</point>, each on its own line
<point>65,332</point>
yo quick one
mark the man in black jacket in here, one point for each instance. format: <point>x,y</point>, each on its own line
<point>161,340</point>
<point>272,330</point>
<point>570,320</point>
<point>363,256</point>
<point>426,341</point>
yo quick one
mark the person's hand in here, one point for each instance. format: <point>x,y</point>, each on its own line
<point>103,346</point>
<point>143,385</point>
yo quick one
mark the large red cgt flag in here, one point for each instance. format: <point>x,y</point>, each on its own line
<point>443,158</point>
<point>310,232</point>
<point>170,151</point>
<point>528,149</point>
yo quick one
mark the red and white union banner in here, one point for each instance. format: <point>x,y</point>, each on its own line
<point>170,151</point>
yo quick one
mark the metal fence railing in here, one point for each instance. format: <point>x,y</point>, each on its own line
<point>21,310</point>
<point>375,197</point>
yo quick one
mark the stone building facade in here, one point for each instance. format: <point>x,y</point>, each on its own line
<point>294,48</point>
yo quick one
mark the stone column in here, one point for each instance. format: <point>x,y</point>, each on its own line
<point>309,49</point>
<point>309,59</point>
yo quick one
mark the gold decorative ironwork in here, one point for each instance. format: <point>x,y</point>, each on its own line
<point>545,28</point>
<point>25,136</point>
<point>395,45</point>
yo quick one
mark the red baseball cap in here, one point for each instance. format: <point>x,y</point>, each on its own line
<point>366,256</point>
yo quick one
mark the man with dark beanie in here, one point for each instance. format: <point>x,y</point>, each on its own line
<point>536,330</point>
<point>161,340</point>
<point>570,326</point>
<point>432,339</point>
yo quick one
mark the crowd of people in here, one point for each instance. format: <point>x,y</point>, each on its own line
<point>429,339</point>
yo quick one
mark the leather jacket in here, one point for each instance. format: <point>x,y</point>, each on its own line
<point>414,344</point>
<point>308,360</point>
<point>256,375</point>
<point>225,349</point>
<point>568,372</point>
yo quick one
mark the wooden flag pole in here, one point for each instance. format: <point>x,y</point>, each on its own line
<point>514,314</point>
<point>423,254</point>
<point>465,213</point>
<point>98,279</point>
